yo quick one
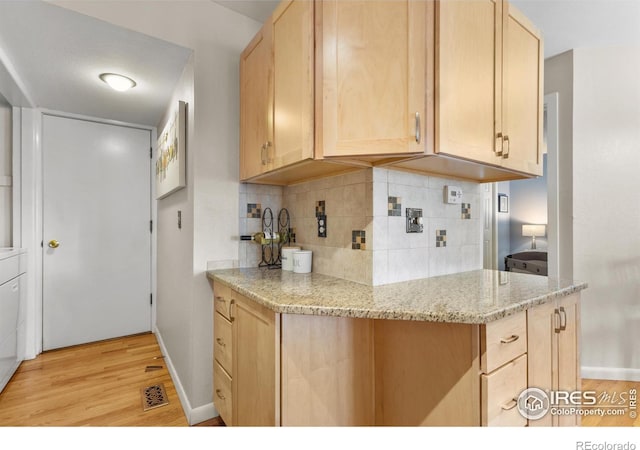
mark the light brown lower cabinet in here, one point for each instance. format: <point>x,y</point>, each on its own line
<point>554,362</point>
<point>304,370</point>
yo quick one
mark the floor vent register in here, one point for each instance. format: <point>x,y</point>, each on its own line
<point>154,397</point>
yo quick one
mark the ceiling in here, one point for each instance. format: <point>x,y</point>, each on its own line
<point>258,10</point>
<point>58,55</point>
<point>565,24</point>
<point>569,24</point>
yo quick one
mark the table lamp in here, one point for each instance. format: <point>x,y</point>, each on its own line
<point>533,231</point>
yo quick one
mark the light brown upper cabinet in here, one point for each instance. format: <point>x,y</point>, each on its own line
<point>276,95</point>
<point>277,75</point>
<point>522,100</point>
<point>256,105</point>
<point>371,101</point>
<point>485,66</point>
<point>450,88</point>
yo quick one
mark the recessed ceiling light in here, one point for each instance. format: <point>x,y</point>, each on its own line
<point>117,82</point>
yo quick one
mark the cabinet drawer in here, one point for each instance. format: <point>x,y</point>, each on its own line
<point>222,393</point>
<point>222,342</point>
<point>223,299</point>
<point>500,391</point>
<point>9,268</point>
<point>9,307</point>
<point>502,340</point>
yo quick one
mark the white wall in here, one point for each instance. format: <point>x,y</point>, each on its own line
<point>558,77</point>
<point>606,186</point>
<point>6,192</point>
<point>210,202</point>
<point>6,143</point>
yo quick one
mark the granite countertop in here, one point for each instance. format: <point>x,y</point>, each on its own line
<point>475,297</point>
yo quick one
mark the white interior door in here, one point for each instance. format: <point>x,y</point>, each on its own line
<point>96,205</point>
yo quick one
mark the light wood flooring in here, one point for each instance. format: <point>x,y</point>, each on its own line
<point>96,384</point>
<point>610,387</point>
<point>100,384</point>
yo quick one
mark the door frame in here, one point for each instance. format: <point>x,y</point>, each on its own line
<point>30,210</point>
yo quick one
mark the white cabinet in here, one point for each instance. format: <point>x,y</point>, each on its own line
<point>12,264</point>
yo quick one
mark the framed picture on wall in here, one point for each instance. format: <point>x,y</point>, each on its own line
<point>503,203</point>
<point>171,149</point>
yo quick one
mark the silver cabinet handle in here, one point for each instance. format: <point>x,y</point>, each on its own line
<point>510,339</point>
<point>219,394</point>
<point>417,127</point>
<point>556,317</point>
<point>563,319</point>
<point>266,147</point>
<point>510,405</point>
<point>505,152</point>
<point>499,142</point>
<point>231,304</point>
<point>262,155</point>
<point>220,342</point>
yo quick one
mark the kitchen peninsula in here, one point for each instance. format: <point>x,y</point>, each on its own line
<point>309,349</point>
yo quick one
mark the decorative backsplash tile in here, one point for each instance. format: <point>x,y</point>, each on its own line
<point>254,210</point>
<point>466,210</point>
<point>441,238</point>
<point>395,206</point>
<point>358,240</point>
<point>320,208</point>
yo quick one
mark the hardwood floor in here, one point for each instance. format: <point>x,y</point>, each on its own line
<point>609,386</point>
<point>100,384</point>
<point>96,384</point>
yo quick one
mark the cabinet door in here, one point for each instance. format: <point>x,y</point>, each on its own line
<point>256,389</point>
<point>293,67</point>
<point>523,91</point>
<point>542,322</point>
<point>568,360</point>
<point>371,60</point>
<point>256,107</point>
<point>468,79</point>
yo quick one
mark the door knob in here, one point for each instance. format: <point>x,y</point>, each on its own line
<point>54,244</point>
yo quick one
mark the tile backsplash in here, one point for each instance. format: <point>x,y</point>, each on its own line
<point>254,199</point>
<point>365,239</point>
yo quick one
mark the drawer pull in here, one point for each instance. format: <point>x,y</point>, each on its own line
<point>219,394</point>
<point>220,342</point>
<point>509,406</point>
<point>510,339</point>
<point>221,299</point>
<point>231,316</point>
<point>563,323</point>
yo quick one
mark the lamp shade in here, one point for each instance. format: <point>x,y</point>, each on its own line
<point>533,230</point>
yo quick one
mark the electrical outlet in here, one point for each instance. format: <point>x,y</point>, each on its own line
<point>414,220</point>
<point>322,226</point>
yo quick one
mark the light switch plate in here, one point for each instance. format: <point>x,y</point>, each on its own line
<point>452,194</point>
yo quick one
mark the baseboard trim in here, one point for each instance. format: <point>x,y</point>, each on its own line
<point>611,373</point>
<point>194,415</point>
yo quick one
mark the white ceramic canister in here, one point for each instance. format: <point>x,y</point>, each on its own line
<point>286,256</point>
<point>302,261</point>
